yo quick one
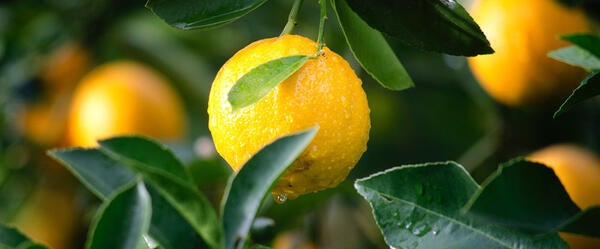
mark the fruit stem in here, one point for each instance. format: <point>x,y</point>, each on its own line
<point>323,17</point>
<point>291,23</point>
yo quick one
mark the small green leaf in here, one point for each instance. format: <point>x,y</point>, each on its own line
<point>191,14</point>
<point>589,42</point>
<point>517,196</point>
<point>418,206</point>
<point>585,223</point>
<point>260,247</point>
<point>253,182</point>
<point>589,87</point>
<point>435,25</point>
<point>576,56</point>
<point>177,189</point>
<point>371,49</point>
<point>143,151</point>
<point>122,221</point>
<point>259,81</point>
<point>10,238</point>
<point>102,175</point>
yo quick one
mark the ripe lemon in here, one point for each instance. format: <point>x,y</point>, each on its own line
<point>121,98</point>
<point>324,92</point>
<point>520,73</point>
<point>579,171</point>
<point>292,240</point>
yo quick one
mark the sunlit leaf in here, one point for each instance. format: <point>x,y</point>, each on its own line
<point>259,81</point>
<point>371,49</point>
<point>576,56</point>
<point>254,181</point>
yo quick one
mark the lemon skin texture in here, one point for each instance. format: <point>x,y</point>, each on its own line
<point>324,92</point>
<point>579,171</point>
<point>519,73</point>
<point>124,98</point>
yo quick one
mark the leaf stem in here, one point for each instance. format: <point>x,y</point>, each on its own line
<point>323,17</point>
<point>291,23</point>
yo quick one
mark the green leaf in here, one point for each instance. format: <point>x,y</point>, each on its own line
<point>253,182</point>
<point>122,221</point>
<point>260,247</point>
<point>371,49</point>
<point>102,175</point>
<point>180,194</point>
<point>576,56</point>
<point>517,195</point>
<point>191,14</point>
<point>585,223</point>
<point>150,154</point>
<point>418,206</point>
<point>589,42</point>
<point>259,81</point>
<point>589,87</point>
<point>435,25</point>
<point>10,237</point>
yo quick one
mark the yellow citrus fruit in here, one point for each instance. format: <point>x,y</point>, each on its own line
<point>121,98</point>
<point>579,171</point>
<point>64,66</point>
<point>325,92</point>
<point>50,217</point>
<point>520,73</point>
<point>292,240</point>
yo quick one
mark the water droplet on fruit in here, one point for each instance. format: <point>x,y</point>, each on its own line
<point>281,198</point>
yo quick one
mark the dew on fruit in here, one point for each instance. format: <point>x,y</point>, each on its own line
<point>280,198</point>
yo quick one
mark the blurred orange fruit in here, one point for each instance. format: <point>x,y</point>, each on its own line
<point>123,98</point>
<point>522,33</point>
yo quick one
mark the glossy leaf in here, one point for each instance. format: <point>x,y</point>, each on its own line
<point>585,223</point>
<point>254,181</point>
<point>435,25</point>
<point>576,56</point>
<point>191,14</point>
<point>122,221</point>
<point>418,206</point>
<point>517,195</point>
<point>102,175</point>
<point>148,153</point>
<point>259,81</point>
<point>179,193</point>
<point>10,237</point>
<point>371,49</point>
<point>589,87</point>
<point>589,42</point>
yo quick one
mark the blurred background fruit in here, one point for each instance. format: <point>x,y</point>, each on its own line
<point>519,73</point>
<point>124,98</point>
<point>579,171</point>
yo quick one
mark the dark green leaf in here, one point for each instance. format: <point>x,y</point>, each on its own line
<point>260,247</point>
<point>436,25</point>
<point>589,87</point>
<point>253,182</point>
<point>191,14</point>
<point>122,221</point>
<point>517,195</point>
<point>179,193</point>
<point>148,153</point>
<point>585,223</point>
<point>10,237</point>
<point>576,56</point>
<point>418,206</point>
<point>589,42</point>
<point>371,49</point>
<point>102,175</point>
<point>259,81</point>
